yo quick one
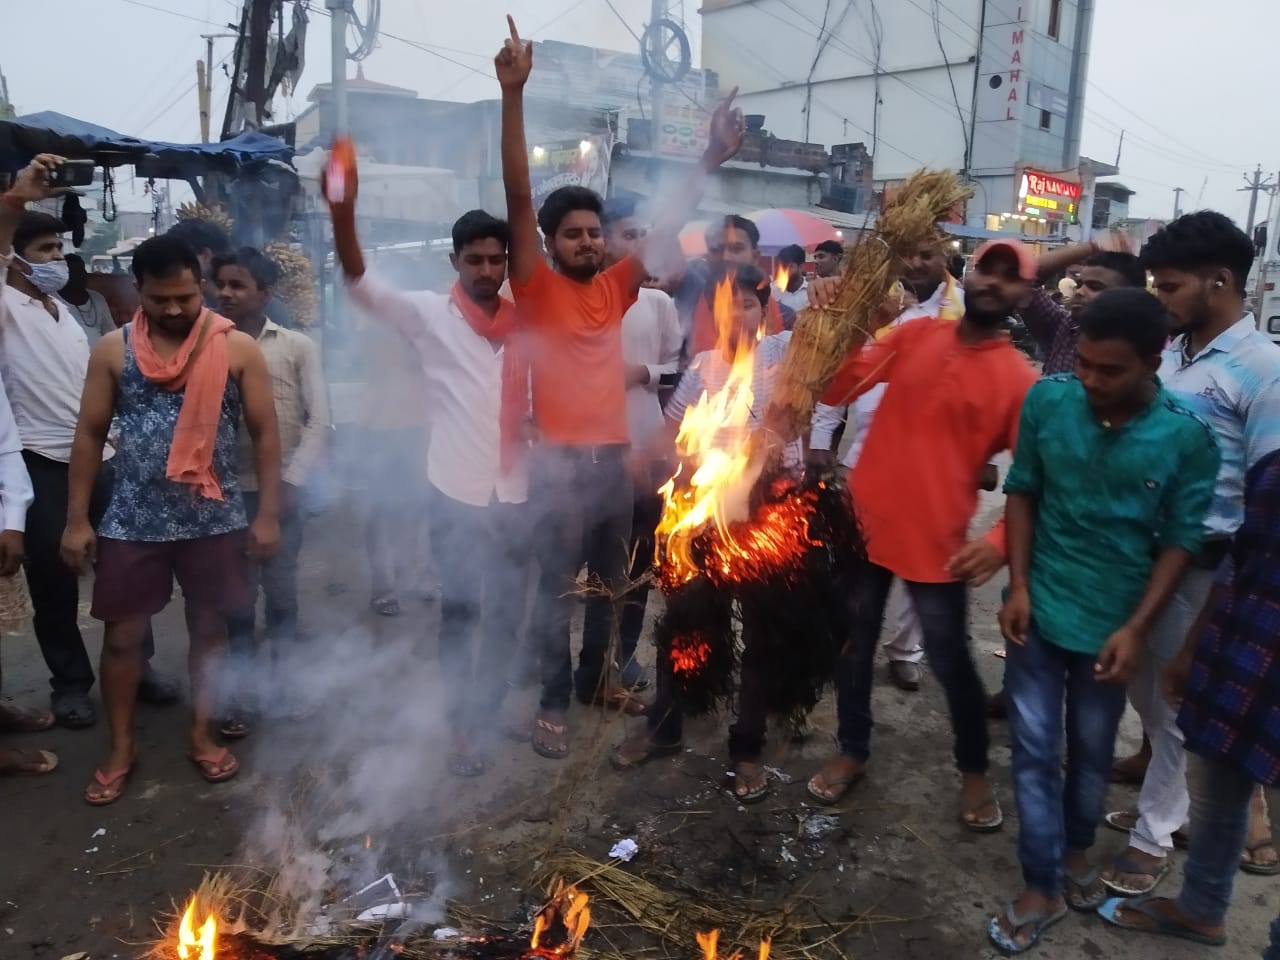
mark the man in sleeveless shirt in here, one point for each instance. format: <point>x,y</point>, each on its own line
<point>178,378</point>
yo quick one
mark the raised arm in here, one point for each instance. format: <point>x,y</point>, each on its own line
<point>513,65</point>
<point>31,184</point>
<point>346,242</point>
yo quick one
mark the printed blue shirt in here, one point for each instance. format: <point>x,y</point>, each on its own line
<point>1234,384</point>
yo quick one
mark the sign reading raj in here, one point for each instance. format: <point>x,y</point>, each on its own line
<point>1048,197</point>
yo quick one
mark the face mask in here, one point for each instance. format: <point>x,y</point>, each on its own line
<point>47,277</point>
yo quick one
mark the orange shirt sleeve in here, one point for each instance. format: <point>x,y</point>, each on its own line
<point>869,364</point>
<point>623,291</point>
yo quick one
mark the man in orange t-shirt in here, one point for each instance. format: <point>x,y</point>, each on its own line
<point>953,399</point>
<point>580,470</point>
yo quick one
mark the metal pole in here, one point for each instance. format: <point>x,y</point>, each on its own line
<point>1177,201</point>
<point>657,11</point>
<point>206,80</point>
<point>338,43</point>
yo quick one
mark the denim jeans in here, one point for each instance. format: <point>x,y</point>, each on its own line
<point>484,560</point>
<point>943,612</point>
<point>581,499</point>
<point>278,580</point>
<point>747,732</point>
<point>1220,795</point>
<point>1054,817</point>
<point>1273,948</point>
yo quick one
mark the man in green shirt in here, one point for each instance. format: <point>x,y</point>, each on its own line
<point>1110,483</point>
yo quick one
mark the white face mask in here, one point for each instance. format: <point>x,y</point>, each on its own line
<point>47,277</point>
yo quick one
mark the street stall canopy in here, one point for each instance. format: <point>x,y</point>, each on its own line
<point>51,132</point>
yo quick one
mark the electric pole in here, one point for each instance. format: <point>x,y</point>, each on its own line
<point>204,79</point>
<point>338,45</point>
<point>1253,187</point>
<point>1177,201</point>
<point>657,12</point>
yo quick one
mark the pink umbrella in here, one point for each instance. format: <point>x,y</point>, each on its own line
<point>781,228</point>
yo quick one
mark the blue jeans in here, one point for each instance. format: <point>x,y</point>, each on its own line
<point>943,612</point>
<point>1055,818</point>
<point>484,560</point>
<point>1220,795</point>
<point>581,498</point>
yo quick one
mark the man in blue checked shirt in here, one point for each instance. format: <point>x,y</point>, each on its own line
<point>1228,372</point>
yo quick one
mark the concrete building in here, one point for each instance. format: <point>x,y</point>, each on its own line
<point>991,88</point>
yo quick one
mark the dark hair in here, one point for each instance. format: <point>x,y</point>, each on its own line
<point>792,253</point>
<point>1128,266</point>
<point>164,256</point>
<point>1206,240</point>
<point>33,225</point>
<point>735,222</point>
<point>201,235</point>
<point>257,264</point>
<point>830,246</point>
<point>747,276</point>
<point>478,225</point>
<point>955,266</point>
<point>564,201</point>
<point>617,208</point>
<point>1128,314</point>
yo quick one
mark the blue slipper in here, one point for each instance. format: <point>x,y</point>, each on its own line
<point>1007,944</point>
<point>1162,925</point>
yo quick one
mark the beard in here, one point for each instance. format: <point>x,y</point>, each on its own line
<point>578,271</point>
<point>986,317</point>
<point>921,289</point>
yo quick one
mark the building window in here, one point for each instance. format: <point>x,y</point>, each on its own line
<point>1055,18</point>
<point>1045,119</point>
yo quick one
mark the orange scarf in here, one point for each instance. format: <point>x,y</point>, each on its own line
<point>704,323</point>
<point>201,365</point>
<point>500,329</point>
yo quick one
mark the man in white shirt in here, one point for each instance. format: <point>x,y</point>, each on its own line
<point>795,295</point>
<point>477,375</point>
<point>244,281</point>
<point>936,295</point>
<point>651,341</point>
<point>44,354</point>
<point>88,306</point>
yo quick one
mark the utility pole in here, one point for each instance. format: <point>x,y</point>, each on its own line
<point>1252,187</point>
<point>1177,201</point>
<point>255,81</point>
<point>338,43</point>
<point>657,11</point>
<point>204,79</point>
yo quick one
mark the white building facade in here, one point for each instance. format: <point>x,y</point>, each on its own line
<point>993,89</point>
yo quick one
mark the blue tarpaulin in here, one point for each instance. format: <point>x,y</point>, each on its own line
<point>50,132</point>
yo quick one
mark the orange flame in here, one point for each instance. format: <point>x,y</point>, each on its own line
<point>568,906</point>
<point>783,277</point>
<point>765,944</point>
<point>715,441</point>
<point>708,942</point>
<point>539,928</point>
<point>206,941</point>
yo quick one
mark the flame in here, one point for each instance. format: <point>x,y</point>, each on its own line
<point>783,277</point>
<point>708,943</point>
<point>368,840</point>
<point>765,944</point>
<point>715,440</point>
<point>568,906</point>
<point>205,942</point>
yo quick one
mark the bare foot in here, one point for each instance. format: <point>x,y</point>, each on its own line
<point>1259,854</point>
<point>1137,919</point>
<point>836,778</point>
<point>1135,873</point>
<point>1039,913</point>
<point>979,809</point>
<point>750,782</point>
<point>17,760</point>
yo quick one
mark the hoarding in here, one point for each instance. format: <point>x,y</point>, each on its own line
<point>1048,197</point>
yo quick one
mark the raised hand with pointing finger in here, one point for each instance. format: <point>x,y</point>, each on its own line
<point>727,129</point>
<point>515,60</point>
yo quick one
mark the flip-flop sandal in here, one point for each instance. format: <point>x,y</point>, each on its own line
<point>234,728</point>
<point>557,749</point>
<point>619,761</point>
<point>468,765</point>
<point>23,720</point>
<point>1124,821</point>
<point>118,780</point>
<point>1077,892</point>
<point>1124,865</point>
<point>205,761</point>
<point>30,762</point>
<point>1006,944</point>
<point>836,790</point>
<point>982,826</point>
<point>753,794</point>
<point>1260,869</point>
<point>1162,925</point>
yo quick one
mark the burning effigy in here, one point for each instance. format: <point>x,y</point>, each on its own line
<point>744,538</point>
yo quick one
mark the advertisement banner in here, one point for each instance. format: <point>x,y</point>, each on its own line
<point>569,163</point>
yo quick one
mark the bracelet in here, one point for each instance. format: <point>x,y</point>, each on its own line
<point>13,202</point>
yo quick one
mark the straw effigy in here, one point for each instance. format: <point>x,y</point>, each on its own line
<point>823,338</point>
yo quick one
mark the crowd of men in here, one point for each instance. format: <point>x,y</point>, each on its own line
<point>1140,531</point>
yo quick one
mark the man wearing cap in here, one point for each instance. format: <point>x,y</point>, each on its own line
<point>952,402</point>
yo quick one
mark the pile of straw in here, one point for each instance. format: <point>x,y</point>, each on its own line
<point>822,338</point>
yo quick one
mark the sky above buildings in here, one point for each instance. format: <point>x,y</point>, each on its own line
<point>1190,83</point>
